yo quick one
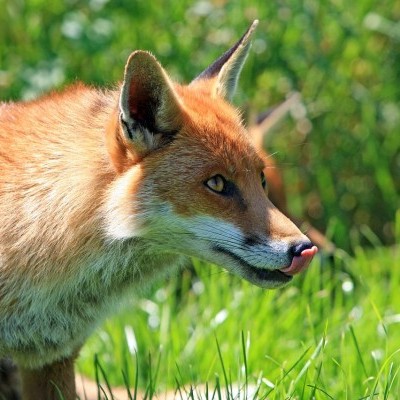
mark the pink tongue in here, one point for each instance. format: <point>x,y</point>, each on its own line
<point>300,263</point>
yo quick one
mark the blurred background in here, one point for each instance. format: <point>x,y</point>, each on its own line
<point>339,149</point>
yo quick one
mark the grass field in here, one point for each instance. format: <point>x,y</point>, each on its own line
<point>333,334</point>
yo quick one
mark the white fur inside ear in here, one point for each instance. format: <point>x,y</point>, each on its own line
<point>141,136</point>
<point>125,118</point>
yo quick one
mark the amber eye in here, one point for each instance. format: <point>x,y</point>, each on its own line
<point>216,183</point>
<point>263,180</point>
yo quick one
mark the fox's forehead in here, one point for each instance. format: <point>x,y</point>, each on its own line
<point>216,127</point>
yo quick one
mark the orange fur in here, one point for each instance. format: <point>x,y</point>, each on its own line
<point>102,192</point>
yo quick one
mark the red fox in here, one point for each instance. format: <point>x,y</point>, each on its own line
<point>103,191</point>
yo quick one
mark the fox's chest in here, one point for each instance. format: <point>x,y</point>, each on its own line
<point>51,323</point>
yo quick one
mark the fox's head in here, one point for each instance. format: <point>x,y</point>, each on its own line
<point>189,180</point>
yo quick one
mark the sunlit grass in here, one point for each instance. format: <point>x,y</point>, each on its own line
<point>334,333</point>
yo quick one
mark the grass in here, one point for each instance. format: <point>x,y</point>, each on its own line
<point>332,334</point>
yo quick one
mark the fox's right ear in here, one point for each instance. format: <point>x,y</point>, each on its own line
<point>150,111</point>
<point>222,75</point>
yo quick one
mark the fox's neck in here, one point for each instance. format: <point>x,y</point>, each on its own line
<point>128,265</point>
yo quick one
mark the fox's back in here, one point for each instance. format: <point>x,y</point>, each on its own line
<point>62,124</point>
<point>53,169</point>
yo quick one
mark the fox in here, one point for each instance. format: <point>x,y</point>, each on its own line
<point>103,191</point>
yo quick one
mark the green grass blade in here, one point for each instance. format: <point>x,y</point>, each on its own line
<point>98,366</point>
<point>244,352</point>
<point>287,372</point>
<point>360,357</point>
<point>227,382</point>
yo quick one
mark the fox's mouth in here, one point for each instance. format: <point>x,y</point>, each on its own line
<point>265,276</point>
<point>271,278</point>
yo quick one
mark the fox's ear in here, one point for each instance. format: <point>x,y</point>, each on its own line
<point>223,74</point>
<point>150,110</point>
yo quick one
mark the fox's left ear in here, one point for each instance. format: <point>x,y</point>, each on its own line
<point>223,74</point>
<point>150,111</point>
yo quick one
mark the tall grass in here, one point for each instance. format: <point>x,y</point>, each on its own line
<point>334,333</point>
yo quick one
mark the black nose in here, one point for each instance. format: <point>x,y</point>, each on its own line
<point>298,248</point>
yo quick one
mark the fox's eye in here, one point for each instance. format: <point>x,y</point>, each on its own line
<point>263,180</point>
<point>217,183</point>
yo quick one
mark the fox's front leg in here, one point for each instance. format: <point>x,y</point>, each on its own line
<point>55,381</point>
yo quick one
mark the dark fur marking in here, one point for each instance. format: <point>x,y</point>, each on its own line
<point>251,241</point>
<point>233,191</point>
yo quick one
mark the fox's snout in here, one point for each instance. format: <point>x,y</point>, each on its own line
<point>288,262</point>
<point>303,253</point>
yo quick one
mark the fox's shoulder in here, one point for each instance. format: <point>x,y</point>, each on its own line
<point>77,104</point>
<point>72,92</point>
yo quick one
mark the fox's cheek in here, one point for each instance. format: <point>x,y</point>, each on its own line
<point>121,208</point>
